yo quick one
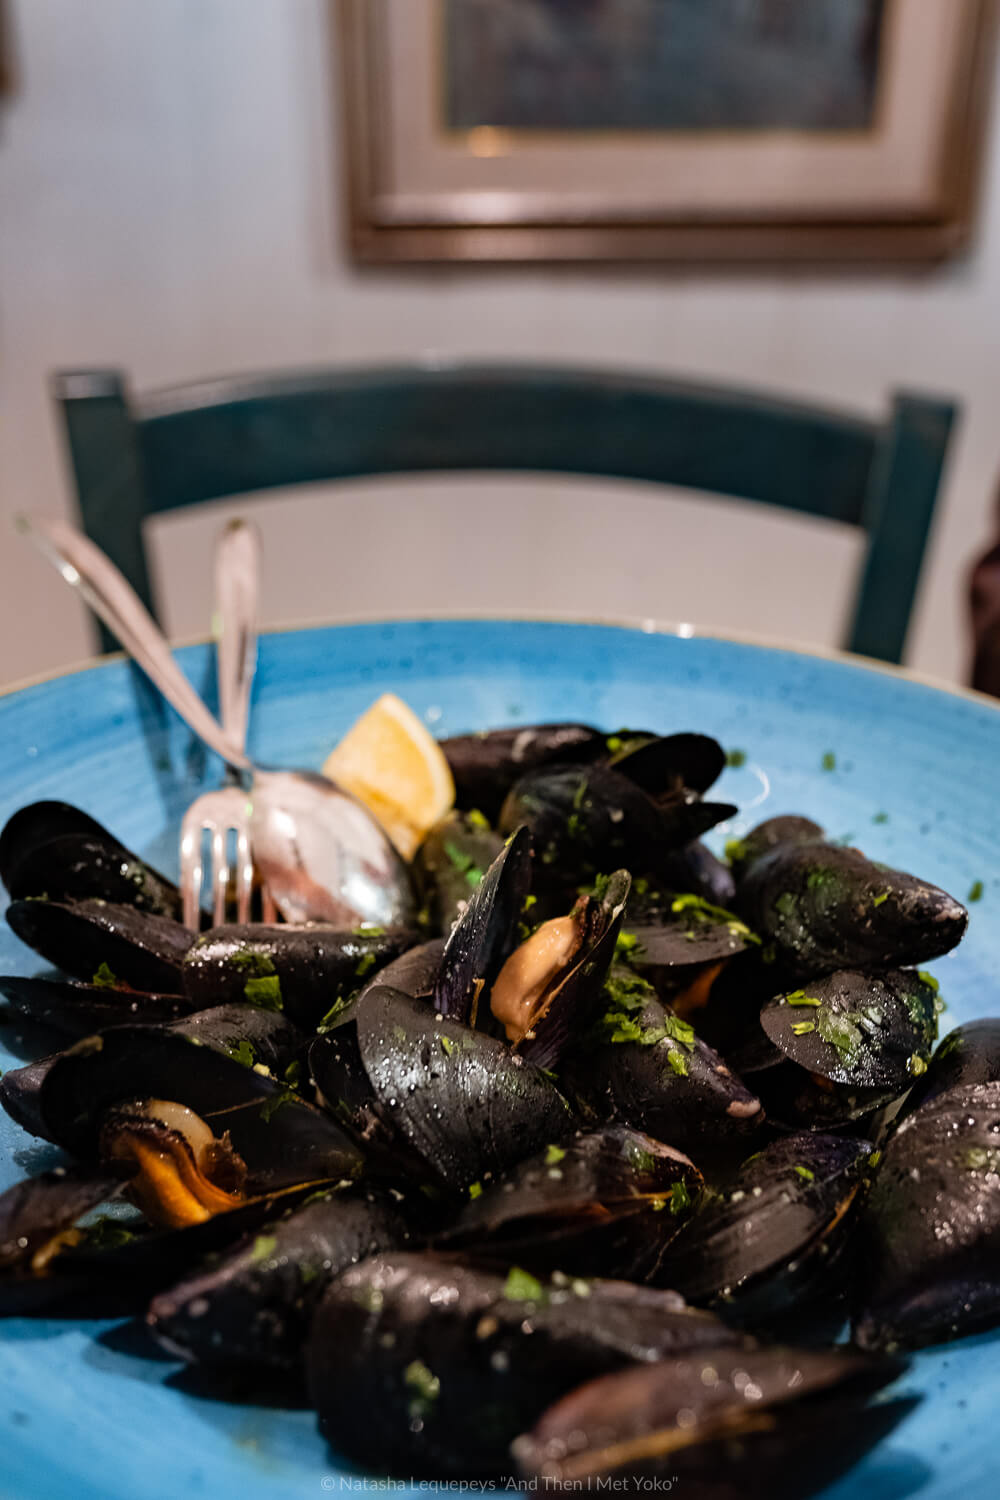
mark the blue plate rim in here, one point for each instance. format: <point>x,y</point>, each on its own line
<point>636,624</point>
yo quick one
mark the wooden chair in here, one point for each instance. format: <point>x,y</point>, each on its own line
<point>133,458</point>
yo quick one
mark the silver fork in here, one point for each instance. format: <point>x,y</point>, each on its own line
<point>224,816</point>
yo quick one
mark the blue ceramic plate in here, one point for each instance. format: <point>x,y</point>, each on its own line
<point>914,782</point>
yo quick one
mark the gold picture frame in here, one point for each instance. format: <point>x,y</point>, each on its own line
<point>899,189</point>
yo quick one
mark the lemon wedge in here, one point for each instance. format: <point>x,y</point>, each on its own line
<point>391,763</point>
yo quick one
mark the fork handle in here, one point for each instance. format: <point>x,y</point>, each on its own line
<point>114,601</point>
<point>237,571</point>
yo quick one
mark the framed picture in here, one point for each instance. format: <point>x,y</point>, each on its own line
<point>692,130</point>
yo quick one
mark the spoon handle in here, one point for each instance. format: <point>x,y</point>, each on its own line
<point>237,571</point>
<point>113,600</point>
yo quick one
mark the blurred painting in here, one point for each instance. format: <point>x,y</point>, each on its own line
<point>661,64</point>
<point>685,130</point>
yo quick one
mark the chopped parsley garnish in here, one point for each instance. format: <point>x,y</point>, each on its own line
<point>264,991</point>
<point>976,891</point>
<point>703,911</point>
<point>447,1045</point>
<point>364,965</point>
<point>802,1028</point>
<point>928,978</point>
<point>735,850</point>
<point>678,1062</point>
<point>840,1031</point>
<point>252,960</point>
<point>475,819</point>
<point>475,1190</point>
<point>829,761</point>
<point>881,817</point>
<point>806,1174</point>
<point>553,1155</point>
<point>104,979</point>
<point>736,758</point>
<point>916,1064</point>
<point>627,946</point>
<point>263,1246</point>
<point>680,1198</point>
<point>242,1052</point>
<point>882,896</point>
<point>368,929</point>
<point>521,1286</point>
<point>426,1388</point>
<point>293,1074</point>
<point>464,863</point>
<point>799,997</point>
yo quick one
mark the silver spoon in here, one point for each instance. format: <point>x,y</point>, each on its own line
<point>319,850</point>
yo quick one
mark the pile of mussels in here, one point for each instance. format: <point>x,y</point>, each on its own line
<point>540,1188</point>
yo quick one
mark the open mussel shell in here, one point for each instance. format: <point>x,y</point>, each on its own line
<point>37,1225</point>
<point>769,1242</point>
<point>558,1006</point>
<point>721,1424</point>
<point>855,1041</point>
<point>665,765</point>
<point>824,908</point>
<point>486,933</point>
<point>457,1100</point>
<point>33,1213</point>
<point>254,1304</point>
<point>53,850</point>
<point>225,1065</point>
<point>968,1054</point>
<point>93,937</point>
<point>301,970</point>
<point>420,1365</point>
<point>604,1204</point>
<point>667,1082</point>
<point>928,1265</point>
<point>78,1009</point>
<point>485,766</point>
<point>451,863</point>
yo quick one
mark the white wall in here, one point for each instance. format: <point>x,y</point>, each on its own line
<point>168,180</point>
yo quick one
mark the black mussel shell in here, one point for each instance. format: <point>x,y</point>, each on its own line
<point>302,970</point>
<point>451,863</point>
<point>769,1424</point>
<point>485,766</point>
<point>783,831</point>
<point>928,1265</point>
<point>769,1242</point>
<point>211,1062</point>
<point>665,1080</point>
<point>604,1204</point>
<point>968,1054</point>
<point>457,1099</point>
<point>695,868</point>
<point>34,1212</point>
<point>668,764</point>
<point>53,850</point>
<point>824,907</point>
<point>693,934</point>
<point>418,1365</point>
<point>869,1035</point>
<point>487,932</point>
<point>586,820</point>
<point>80,1009</point>
<point>254,1304</point>
<point>415,972</point>
<point>88,938</point>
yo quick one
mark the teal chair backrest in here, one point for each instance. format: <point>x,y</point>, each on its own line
<point>135,457</point>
